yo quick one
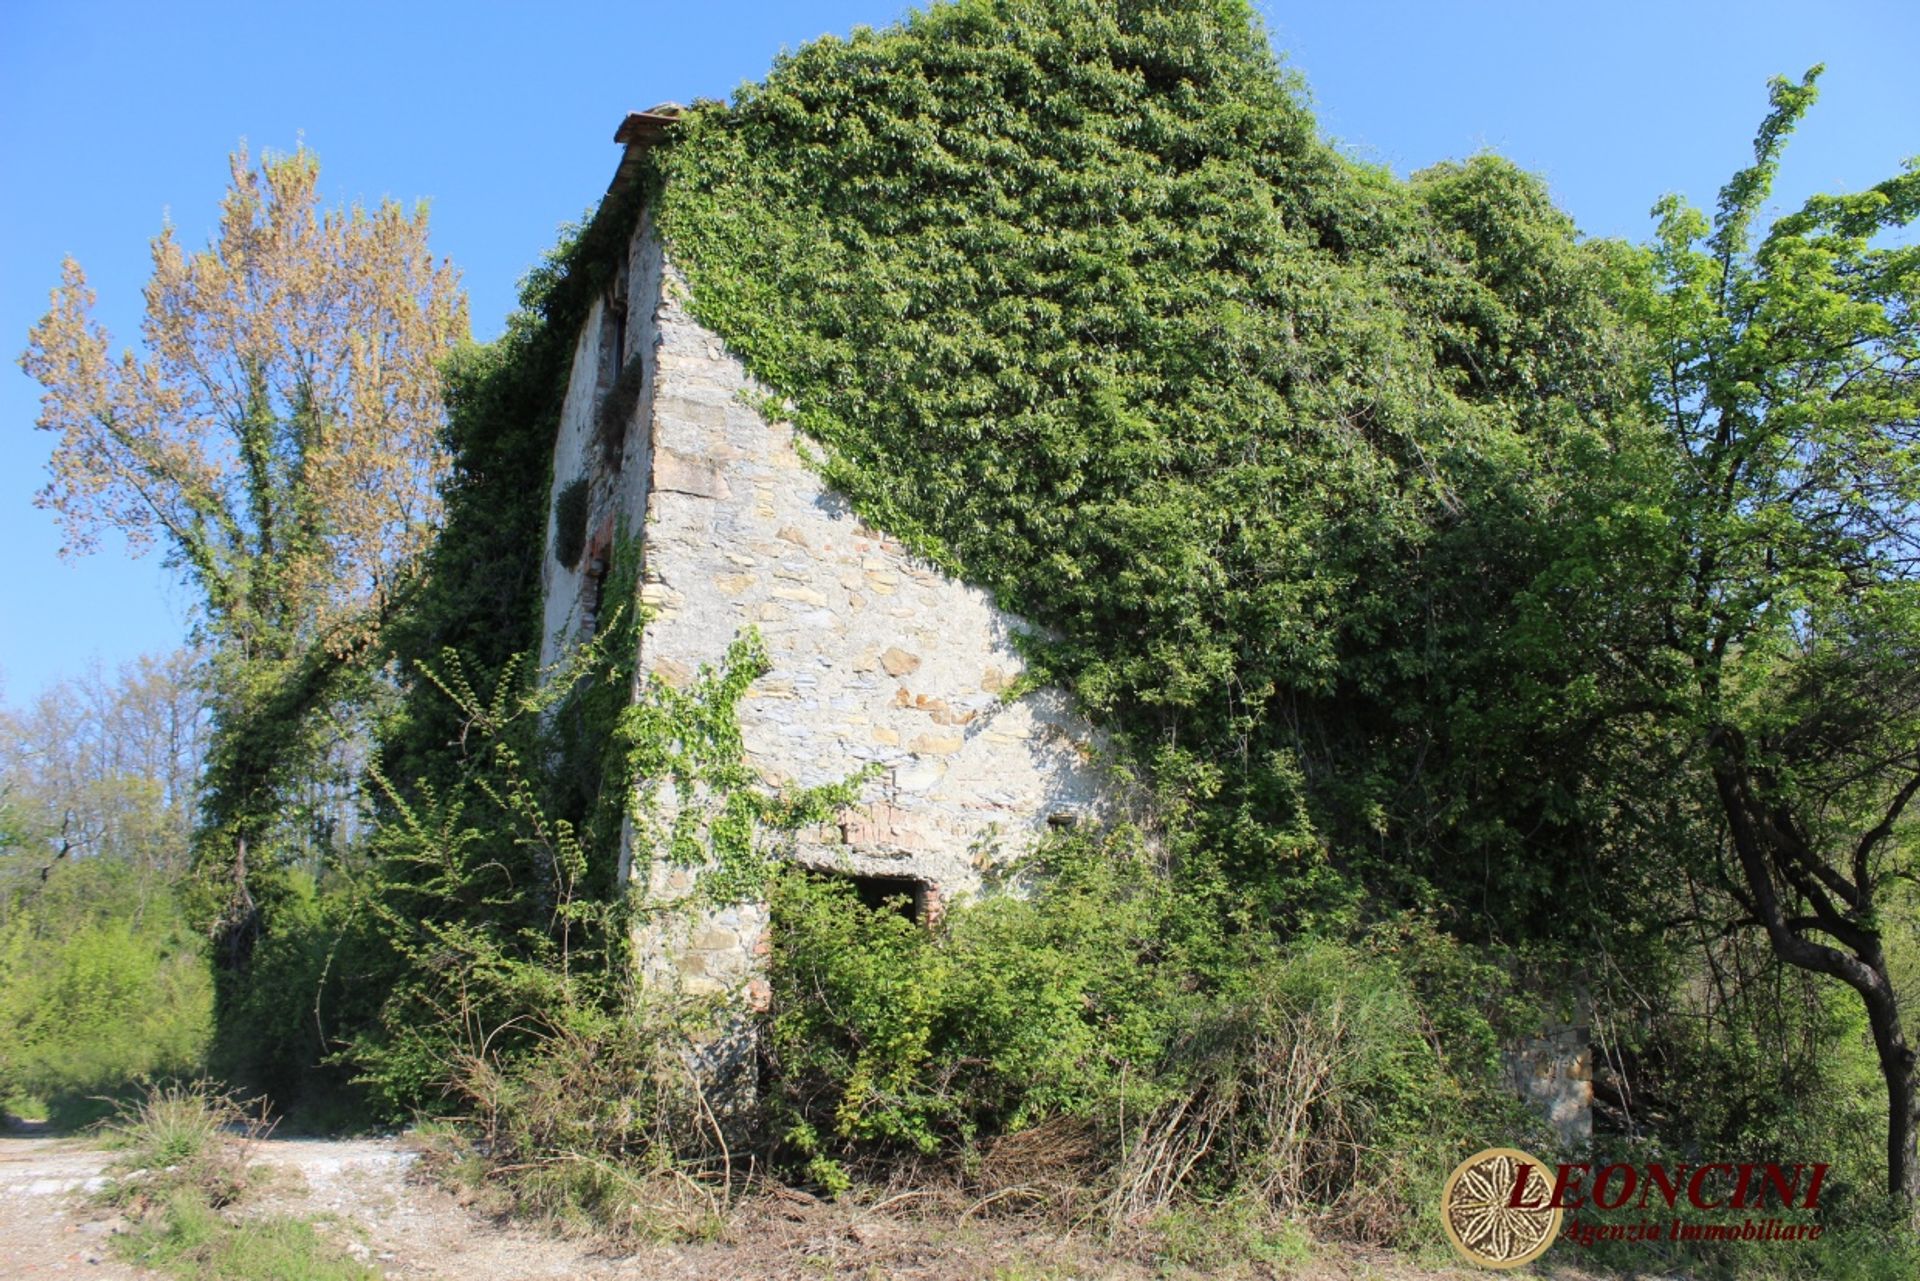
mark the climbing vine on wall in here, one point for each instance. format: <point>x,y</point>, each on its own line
<point>481,593</point>
<point>698,803</point>
<point>498,893</point>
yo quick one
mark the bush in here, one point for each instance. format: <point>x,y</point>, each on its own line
<point>1312,1086</point>
<point>596,1127</point>
<point>570,522</point>
<point>1754,1061</point>
<point>101,985</point>
<point>885,1035</point>
<point>279,1025</point>
<point>1159,1060</point>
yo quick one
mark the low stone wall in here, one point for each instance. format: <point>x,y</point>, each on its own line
<point>1553,1072</point>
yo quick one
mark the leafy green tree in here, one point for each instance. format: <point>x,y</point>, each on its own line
<point>110,765</point>
<point>1763,613</point>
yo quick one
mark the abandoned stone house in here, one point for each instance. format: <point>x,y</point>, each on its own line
<point>878,659</point>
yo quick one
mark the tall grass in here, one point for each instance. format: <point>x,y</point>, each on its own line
<point>193,1138</point>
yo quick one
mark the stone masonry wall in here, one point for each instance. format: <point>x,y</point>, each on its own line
<point>1553,1072</point>
<point>877,658</point>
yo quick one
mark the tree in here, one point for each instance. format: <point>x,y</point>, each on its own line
<point>280,436</point>
<point>1776,626</point>
<point>101,766</point>
<point>102,977</point>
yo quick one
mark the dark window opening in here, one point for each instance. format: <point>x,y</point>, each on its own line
<point>903,894</point>
<point>1063,821</point>
<point>596,592</point>
<point>613,334</point>
<point>593,588</point>
<point>618,389</point>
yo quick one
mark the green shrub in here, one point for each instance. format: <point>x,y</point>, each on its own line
<point>500,898</point>
<point>492,903</point>
<point>1757,1062</point>
<point>102,984</point>
<point>1161,1060</point>
<point>570,521</point>
<point>282,1022</point>
<point>884,1034</point>
<point>595,1127</point>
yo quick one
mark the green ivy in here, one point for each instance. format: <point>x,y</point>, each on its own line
<point>481,592</point>
<point>1078,303</point>
<point>697,802</point>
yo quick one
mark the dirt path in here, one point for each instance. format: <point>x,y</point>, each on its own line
<point>39,1237</point>
<point>361,1194</point>
<point>357,1189</point>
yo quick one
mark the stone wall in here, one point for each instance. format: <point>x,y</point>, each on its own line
<point>877,658</point>
<point>1553,1073</point>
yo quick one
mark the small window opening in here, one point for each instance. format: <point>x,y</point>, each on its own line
<point>613,335</point>
<point>593,586</point>
<point>1063,820</point>
<point>596,592</point>
<point>906,895</point>
<point>618,390</point>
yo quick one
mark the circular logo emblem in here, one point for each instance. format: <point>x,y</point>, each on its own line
<point>1478,1211</point>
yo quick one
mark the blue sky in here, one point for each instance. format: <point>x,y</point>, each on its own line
<point>116,116</point>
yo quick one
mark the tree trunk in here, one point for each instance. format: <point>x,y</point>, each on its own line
<point>1903,1126</point>
<point>239,926</point>
<point>1757,844</point>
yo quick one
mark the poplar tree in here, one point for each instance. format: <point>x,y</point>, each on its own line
<point>278,434</point>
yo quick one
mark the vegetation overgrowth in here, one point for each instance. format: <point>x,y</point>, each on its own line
<point>1077,301</point>
<point>1100,1042</point>
<point>1491,614</point>
<point>103,974</point>
<point>1425,555</point>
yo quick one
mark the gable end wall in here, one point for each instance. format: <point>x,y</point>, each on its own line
<point>878,659</point>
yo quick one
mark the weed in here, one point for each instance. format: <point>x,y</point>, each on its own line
<point>1218,1239</point>
<point>183,1157</point>
<point>588,1132</point>
<point>192,1137</point>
